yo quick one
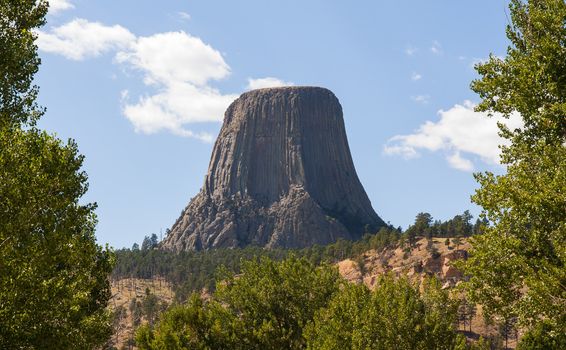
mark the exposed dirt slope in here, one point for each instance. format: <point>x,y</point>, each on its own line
<point>124,291</point>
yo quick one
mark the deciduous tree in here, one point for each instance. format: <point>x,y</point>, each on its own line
<point>396,315</point>
<point>518,267</point>
<point>54,284</point>
<point>19,60</point>
<point>265,307</point>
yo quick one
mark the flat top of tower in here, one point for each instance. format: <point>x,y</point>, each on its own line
<point>276,95</point>
<point>287,89</point>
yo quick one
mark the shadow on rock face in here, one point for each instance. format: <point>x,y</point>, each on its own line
<point>280,175</point>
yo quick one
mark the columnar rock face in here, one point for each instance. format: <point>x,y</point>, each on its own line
<point>281,175</point>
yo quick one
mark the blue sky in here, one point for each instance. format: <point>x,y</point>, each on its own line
<point>142,86</point>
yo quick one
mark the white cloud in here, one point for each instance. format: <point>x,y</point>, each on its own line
<point>153,114</point>
<point>184,16</point>
<point>457,162</point>
<point>176,65</point>
<point>436,48</point>
<point>267,82</point>
<point>80,39</point>
<point>460,130</point>
<point>176,106</point>
<point>416,76</point>
<point>180,67</point>
<point>175,56</point>
<point>424,99</point>
<point>401,149</point>
<point>59,5</point>
<point>411,50</point>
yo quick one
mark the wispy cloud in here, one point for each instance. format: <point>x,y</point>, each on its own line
<point>456,161</point>
<point>424,99</point>
<point>56,6</point>
<point>267,82</point>
<point>81,39</point>
<point>175,56</point>
<point>436,48</point>
<point>411,50</point>
<point>179,70</point>
<point>180,67</point>
<point>416,76</point>
<point>459,131</point>
<point>184,15</point>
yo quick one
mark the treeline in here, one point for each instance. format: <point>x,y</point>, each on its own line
<point>193,271</point>
<point>459,226</point>
<point>185,271</point>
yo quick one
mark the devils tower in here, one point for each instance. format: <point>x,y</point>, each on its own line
<point>280,175</point>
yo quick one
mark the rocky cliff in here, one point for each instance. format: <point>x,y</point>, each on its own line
<point>280,175</point>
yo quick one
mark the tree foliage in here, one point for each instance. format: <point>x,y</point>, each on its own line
<point>194,325</point>
<point>396,315</point>
<point>19,60</point>
<point>53,276</point>
<point>292,304</point>
<point>517,267</point>
<point>459,226</point>
<point>542,337</point>
<point>265,307</point>
<point>273,301</point>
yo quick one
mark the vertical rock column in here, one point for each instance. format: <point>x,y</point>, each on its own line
<point>280,175</point>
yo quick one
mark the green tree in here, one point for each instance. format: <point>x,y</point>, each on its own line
<point>339,326</point>
<point>19,60</point>
<point>457,241</point>
<point>194,325</point>
<point>517,267</point>
<point>461,224</point>
<point>274,301</point>
<point>421,227</point>
<point>149,242</point>
<point>542,337</point>
<point>150,306</point>
<point>54,284</point>
<point>53,276</point>
<point>265,307</point>
<point>396,315</point>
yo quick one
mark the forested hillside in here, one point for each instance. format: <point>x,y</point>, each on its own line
<point>193,271</point>
<point>415,253</point>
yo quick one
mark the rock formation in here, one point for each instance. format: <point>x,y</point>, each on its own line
<point>280,175</point>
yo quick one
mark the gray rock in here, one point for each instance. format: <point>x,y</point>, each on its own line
<point>280,175</point>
